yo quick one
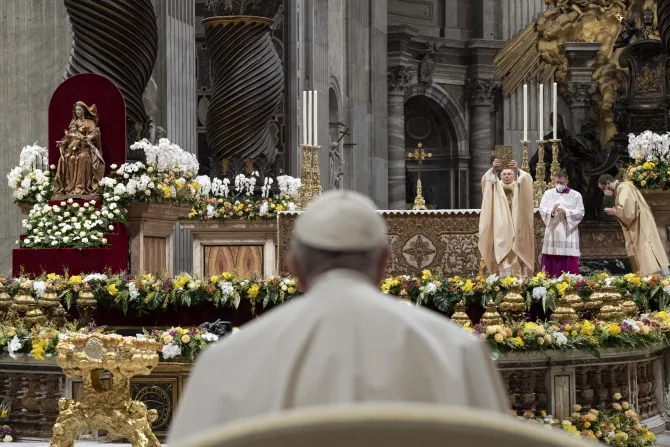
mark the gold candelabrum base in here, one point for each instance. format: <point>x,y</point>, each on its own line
<point>524,156</point>
<point>106,408</point>
<point>419,201</point>
<point>310,177</point>
<point>555,166</point>
<point>540,185</point>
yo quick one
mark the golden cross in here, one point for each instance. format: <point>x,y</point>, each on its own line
<point>419,155</point>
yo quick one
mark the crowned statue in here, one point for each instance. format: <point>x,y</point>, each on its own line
<point>80,166</point>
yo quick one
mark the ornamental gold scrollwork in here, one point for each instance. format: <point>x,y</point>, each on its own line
<point>107,408</point>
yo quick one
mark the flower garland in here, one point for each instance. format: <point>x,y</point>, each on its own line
<point>618,425</point>
<point>650,153</point>
<point>168,177</point>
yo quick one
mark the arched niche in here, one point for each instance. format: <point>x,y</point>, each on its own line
<point>432,119</point>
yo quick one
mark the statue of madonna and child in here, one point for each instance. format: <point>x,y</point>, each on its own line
<point>80,166</point>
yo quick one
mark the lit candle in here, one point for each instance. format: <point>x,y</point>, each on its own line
<point>525,112</point>
<point>316,121</point>
<point>304,117</point>
<point>541,112</point>
<point>309,117</point>
<point>555,111</point>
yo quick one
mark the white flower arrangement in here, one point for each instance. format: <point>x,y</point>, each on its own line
<point>649,146</point>
<point>170,350</point>
<point>34,157</point>
<point>69,225</point>
<point>166,156</point>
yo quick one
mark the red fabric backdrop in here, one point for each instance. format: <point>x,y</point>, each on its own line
<point>91,89</point>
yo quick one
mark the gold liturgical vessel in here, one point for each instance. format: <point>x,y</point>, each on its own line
<point>419,155</point>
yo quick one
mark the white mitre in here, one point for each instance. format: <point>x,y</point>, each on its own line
<point>341,221</point>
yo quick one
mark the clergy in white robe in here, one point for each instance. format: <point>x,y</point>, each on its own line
<point>506,238</point>
<point>342,342</point>
<point>562,209</point>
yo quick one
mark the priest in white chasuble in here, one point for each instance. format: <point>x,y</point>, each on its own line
<point>343,342</point>
<point>643,242</point>
<point>506,239</point>
<point>562,209</point>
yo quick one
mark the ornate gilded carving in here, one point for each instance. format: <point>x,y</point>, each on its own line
<point>80,166</point>
<point>536,53</point>
<point>482,92</point>
<point>491,317</point>
<point>399,78</point>
<point>110,408</point>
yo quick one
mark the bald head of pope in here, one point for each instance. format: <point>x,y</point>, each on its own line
<point>339,230</point>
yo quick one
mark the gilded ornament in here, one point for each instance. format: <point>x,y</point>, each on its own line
<point>628,306</point>
<point>5,301</point>
<point>80,166</point>
<point>491,317</point>
<point>310,187</point>
<point>459,316</point>
<point>86,304</point>
<point>110,409</point>
<point>513,305</point>
<point>568,307</point>
<point>22,302</point>
<point>51,306</point>
<point>419,155</point>
<point>611,309</point>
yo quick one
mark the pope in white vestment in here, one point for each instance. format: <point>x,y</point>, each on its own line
<point>561,209</point>
<point>342,342</point>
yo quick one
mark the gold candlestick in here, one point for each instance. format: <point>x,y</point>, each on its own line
<point>524,159</point>
<point>555,166</point>
<point>419,155</point>
<point>310,178</point>
<point>540,184</point>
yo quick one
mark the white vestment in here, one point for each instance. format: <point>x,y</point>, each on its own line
<point>561,236</point>
<point>343,342</point>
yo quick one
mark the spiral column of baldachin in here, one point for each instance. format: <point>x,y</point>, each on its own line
<point>248,86</point>
<point>119,40</point>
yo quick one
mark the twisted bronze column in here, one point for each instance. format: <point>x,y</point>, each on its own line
<point>248,79</point>
<point>119,40</point>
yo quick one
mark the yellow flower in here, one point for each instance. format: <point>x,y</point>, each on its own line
<point>643,183</point>
<point>291,290</point>
<point>4,414</point>
<point>214,278</point>
<point>167,338</point>
<point>53,276</point>
<point>75,280</point>
<point>185,339</point>
<point>617,396</point>
<point>227,276</point>
<point>39,349</point>
<point>540,276</point>
<point>181,281</point>
<point>498,338</point>
<point>517,341</point>
<point>508,281</point>
<point>12,332</point>
<point>649,166</point>
<point>195,185</point>
<point>426,275</point>
<point>193,213</point>
<point>253,291</point>
<point>613,329</point>
<point>468,287</point>
<point>562,287</point>
<point>112,290</point>
<point>588,328</point>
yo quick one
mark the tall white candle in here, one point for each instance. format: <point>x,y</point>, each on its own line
<point>304,117</point>
<point>309,117</point>
<point>555,110</point>
<point>316,121</point>
<point>525,112</point>
<point>541,107</point>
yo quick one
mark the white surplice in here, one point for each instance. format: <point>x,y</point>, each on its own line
<point>561,236</point>
<point>343,342</point>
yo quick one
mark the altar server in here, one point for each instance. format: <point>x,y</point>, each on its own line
<point>643,242</point>
<point>343,342</point>
<point>506,239</point>
<point>562,209</point>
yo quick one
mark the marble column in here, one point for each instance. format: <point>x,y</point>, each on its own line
<point>481,96</point>
<point>399,78</point>
<point>35,38</point>
<point>581,87</point>
<point>175,98</point>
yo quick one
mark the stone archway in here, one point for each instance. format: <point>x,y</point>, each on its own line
<point>433,118</point>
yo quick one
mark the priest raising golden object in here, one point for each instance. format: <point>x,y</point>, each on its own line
<point>80,166</point>
<point>506,240</point>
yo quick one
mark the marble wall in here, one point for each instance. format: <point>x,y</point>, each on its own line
<point>35,39</point>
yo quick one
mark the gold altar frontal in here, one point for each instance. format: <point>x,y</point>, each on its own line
<point>446,240</point>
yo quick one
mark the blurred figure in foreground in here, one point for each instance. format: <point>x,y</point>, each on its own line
<point>343,341</point>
